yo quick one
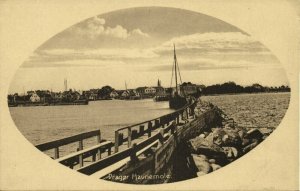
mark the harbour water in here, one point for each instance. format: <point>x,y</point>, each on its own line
<point>262,110</point>
<point>45,123</point>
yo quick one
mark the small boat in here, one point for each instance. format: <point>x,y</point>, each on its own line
<point>161,98</point>
<point>177,98</point>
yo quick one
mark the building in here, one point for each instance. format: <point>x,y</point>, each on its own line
<point>141,90</point>
<point>125,94</point>
<point>187,88</point>
<point>34,98</point>
<point>159,90</point>
<point>114,94</point>
<point>150,91</point>
<point>30,92</point>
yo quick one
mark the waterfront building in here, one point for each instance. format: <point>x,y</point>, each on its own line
<point>141,90</point>
<point>30,92</point>
<point>114,94</point>
<point>125,94</point>
<point>188,88</point>
<point>150,91</point>
<point>34,97</point>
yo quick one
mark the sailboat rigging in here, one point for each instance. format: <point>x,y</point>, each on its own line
<point>177,99</point>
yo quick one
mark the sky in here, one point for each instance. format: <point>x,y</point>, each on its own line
<point>136,45</point>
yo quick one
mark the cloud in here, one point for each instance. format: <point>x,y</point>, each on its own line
<point>95,27</point>
<point>214,64</point>
<point>225,42</point>
<point>72,63</point>
<point>117,53</point>
<point>61,57</point>
<point>139,32</point>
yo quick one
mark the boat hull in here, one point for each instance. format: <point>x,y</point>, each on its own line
<point>177,102</point>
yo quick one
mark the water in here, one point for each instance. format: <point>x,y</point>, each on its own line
<point>45,123</point>
<point>253,110</point>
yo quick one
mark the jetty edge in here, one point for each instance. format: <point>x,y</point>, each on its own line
<point>165,149</point>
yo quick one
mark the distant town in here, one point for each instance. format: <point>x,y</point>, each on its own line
<point>73,97</point>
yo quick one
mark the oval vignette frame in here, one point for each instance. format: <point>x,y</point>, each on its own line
<point>109,41</point>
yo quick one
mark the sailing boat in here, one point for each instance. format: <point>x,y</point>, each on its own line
<point>177,99</point>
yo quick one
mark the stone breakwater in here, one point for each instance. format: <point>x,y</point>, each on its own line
<point>221,145</point>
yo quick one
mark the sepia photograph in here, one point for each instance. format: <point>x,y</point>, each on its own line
<point>149,95</point>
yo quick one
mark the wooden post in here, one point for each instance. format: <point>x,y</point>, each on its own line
<point>94,157</point>
<point>81,160</point>
<point>80,147</point>
<point>141,131</point>
<point>56,153</point>
<point>134,134</point>
<point>116,141</point>
<point>149,128</point>
<point>168,119</point>
<point>99,141</point>
<point>161,137</point>
<point>129,137</point>
<point>156,123</point>
<point>99,137</point>
<point>109,151</point>
<point>172,128</point>
<point>121,138</point>
<point>133,157</point>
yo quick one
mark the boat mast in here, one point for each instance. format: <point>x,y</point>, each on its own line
<point>175,62</point>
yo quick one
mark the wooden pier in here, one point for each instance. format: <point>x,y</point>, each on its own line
<point>144,148</point>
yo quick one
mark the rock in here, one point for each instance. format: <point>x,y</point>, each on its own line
<point>209,137</point>
<point>266,131</point>
<point>202,135</point>
<point>229,125</point>
<point>250,147</point>
<point>217,136</point>
<point>215,167</point>
<point>201,164</point>
<point>203,157</point>
<point>212,161</point>
<point>199,142</point>
<point>246,142</point>
<point>232,153</point>
<point>201,173</point>
<point>254,134</point>
<point>241,133</point>
<point>227,137</point>
<point>204,147</point>
<point>206,133</point>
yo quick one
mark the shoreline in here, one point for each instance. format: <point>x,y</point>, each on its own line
<point>254,93</point>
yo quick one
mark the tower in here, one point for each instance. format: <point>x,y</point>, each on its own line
<point>158,83</point>
<point>66,84</point>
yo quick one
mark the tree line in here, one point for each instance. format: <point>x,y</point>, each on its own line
<point>233,88</point>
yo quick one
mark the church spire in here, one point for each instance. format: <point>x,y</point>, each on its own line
<point>158,83</point>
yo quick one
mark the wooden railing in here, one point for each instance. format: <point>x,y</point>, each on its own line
<point>166,123</point>
<point>78,157</point>
<point>159,138</point>
<point>137,130</point>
